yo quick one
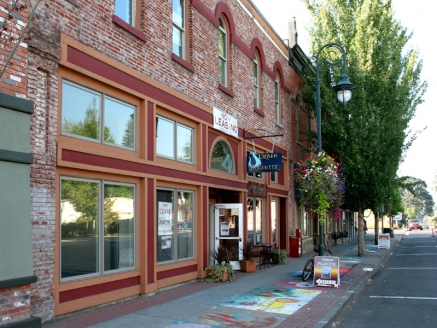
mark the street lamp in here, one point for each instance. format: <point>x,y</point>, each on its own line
<point>344,90</point>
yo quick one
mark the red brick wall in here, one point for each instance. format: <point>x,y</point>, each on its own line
<point>90,23</point>
<point>14,304</point>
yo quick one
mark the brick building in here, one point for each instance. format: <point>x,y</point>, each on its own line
<point>144,114</point>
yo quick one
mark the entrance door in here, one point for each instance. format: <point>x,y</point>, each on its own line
<point>228,230</point>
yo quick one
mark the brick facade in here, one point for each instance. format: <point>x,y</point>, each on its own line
<point>82,40</point>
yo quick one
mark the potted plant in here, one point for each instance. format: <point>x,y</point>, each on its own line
<point>222,269</point>
<point>248,263</point>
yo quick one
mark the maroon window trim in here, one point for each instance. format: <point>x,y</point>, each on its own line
<point>226,90</point>
<point>258,111</point>
<point>182,62</point>
<point>132,30</point>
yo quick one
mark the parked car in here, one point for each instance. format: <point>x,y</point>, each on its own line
<point>414,224</point>
<point>425,225</point>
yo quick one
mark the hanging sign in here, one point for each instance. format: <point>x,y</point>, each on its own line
<point>225,122</point>
<point>327,271</point>
<point>266,162</point>
<point>384,240</point>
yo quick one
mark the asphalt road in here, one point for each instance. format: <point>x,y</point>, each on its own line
<point>403,293</point>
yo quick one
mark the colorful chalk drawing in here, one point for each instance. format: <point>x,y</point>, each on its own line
<point>273,299</point>
<point>240,319</point>
<point>184,324</point>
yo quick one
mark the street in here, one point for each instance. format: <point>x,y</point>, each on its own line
<point>403,293</point>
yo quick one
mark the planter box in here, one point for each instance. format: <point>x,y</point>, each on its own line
<point>248,266</point>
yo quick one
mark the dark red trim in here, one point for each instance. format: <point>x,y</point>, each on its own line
<point>204,10</point>
<point>176,272</point>
<point>257,45</point>
<point>277,191</point>
<point>278,68</point>
<point>205,153</point>
<point>104,70</point>
<point>222,9</point>
<point>151,127</point>
<point>182,62</point>
<point>243,47</point>
<point>226,90</point>
<point>74,294</point>
<point>119,164</point>
<point>258,111</point>
<point>205,211</point>
<point>132,30</point>
<point>150,258</point>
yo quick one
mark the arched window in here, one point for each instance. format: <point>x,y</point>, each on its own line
<point>221,158</point>
<point>277,99</point>
<point>223,52</point>
<point>256,79</point>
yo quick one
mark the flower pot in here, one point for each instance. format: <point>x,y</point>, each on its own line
<point>247,266</point>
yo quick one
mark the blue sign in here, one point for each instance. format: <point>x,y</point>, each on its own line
<point>266,162</point>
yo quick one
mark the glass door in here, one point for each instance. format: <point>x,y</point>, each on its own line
<point>228,226</point>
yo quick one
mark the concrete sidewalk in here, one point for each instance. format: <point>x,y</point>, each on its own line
<point>269,297</point>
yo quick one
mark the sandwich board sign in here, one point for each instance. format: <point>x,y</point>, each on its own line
<point>384,240</point>
<point>327,271</point>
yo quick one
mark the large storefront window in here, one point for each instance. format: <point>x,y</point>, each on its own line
<point>97,227</point>
<point>221,158</point>
<point>254,220</point>
<point>95,116</point>
<point>274,221</point>
<point>306,222</point>
<point>175,225</point>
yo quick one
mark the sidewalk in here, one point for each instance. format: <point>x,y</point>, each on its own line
<point>270,297</point>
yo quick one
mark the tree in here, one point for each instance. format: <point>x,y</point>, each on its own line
<point>417,201</point>
<point>370,134</point>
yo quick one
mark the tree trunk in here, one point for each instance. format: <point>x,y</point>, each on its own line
<point>376,227</point>
<point>360,232</point>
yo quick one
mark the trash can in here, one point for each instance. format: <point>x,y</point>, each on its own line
<point>295,246</point>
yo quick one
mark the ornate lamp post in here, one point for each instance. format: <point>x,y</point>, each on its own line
<point>344,90</point>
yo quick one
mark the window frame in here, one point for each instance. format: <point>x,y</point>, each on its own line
<point>223,58</point>
<point>101,272</point>
<point>230,153</point>
<point>175,192</point>
<point>255,80</point>
<point>181,28</point>
<point>254,219</point>
<point>277,99</point>
<point>102,95</point>
<point>175,138</point>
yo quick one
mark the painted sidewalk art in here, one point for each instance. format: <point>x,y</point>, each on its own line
<point>184,324</point>
<point>273,299</point>
<point>235,318</point>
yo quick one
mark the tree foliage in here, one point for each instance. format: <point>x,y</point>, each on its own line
<point>371,132</point>
<point>416,200</point>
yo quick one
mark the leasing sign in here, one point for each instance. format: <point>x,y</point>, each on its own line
<point>225,122</point>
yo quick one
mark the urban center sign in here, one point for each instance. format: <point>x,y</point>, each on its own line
<point>225,122</point>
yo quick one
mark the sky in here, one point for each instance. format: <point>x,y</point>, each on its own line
<point>421,158</point>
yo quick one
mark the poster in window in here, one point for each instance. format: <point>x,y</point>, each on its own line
<point>165,214</point>
<point>224,228</point>
<point>165,242</point>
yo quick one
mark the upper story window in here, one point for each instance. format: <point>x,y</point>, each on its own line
<point>125,9</point>
<point>277,100</point>
<point>179,28</point>
<point>221,158</point>
<point>95,116</point>
<point>274,177</point>
<point>297,119</point>
<point>256,80</point>
<point>223,52</point>
<point>174,140</point>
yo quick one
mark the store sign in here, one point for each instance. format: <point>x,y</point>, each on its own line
<point>327,271</point>
<point>165,214</point>
<point>384,240</point>
<point>225,122</point>
<point>265,162</point>
<point>256,189</point>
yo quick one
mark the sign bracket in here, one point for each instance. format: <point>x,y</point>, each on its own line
<point>250,134</point>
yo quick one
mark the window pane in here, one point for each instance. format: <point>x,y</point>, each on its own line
<point>222,43</point>
<point>273,220</point>
<point>119,123</point>
<point>221,158</point>
<point>273,176</point>
<point>119,219</point>
<point>80,111</point>
<point>178,13</point>
<point>222,68</point>
<point>165,246</point>
<point>79,228</point>
<point>177,42</point>
<point>184,144</point>
<point>185,234</point>
<point>165,138</point>
<point>123,9</point>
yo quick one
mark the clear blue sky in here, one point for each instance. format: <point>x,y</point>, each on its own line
<point>421,158</point>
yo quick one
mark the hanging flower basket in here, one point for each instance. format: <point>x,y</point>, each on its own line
<point>320,185</point>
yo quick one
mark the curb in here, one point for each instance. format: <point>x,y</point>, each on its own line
<point>334,313</point>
